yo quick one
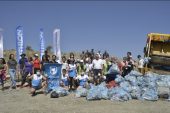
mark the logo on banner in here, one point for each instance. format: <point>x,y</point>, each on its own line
<point>53,70</point>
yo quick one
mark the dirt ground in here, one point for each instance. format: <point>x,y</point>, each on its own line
<point>20,101</point>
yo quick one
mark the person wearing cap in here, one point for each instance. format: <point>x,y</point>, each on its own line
<point>21,63</point>
<point>97,68</point>
<point>36,63</point>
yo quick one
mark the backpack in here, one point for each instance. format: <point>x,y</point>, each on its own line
<point>54,95</point>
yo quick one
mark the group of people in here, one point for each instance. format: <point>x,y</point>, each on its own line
<point>91,67</point>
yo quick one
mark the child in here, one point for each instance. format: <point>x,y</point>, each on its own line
<point>83,79</point>
<point>37,82</point>
<point>64,78</point>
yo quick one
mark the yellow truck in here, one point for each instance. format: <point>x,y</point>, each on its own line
<point>158,50</point>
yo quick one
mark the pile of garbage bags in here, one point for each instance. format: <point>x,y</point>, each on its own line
<point>132,86</point>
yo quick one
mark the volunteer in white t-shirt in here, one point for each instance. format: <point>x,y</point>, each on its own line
<point>97,68</point>
<point>140,64</point>
<point>82,79</point>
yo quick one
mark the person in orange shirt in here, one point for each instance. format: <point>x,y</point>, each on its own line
<point>36,63</point>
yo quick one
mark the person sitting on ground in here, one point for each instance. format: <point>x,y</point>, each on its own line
<point>64,78</point>
<point>37,82</point>
<point>82,80</point>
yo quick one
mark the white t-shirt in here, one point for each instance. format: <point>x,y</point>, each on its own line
<point>82,77</point>
<point>64,65</point>
<point>35,77</point>
<point>97,64</point>
<point>64,77</point>
<point>89,67</point>
<point>72,66</point>
<point>36,81</point>
<point>140,63</point>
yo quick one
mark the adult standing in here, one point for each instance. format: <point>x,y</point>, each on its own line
<point>140,64</point>
<point>46,56</point>
<point>12,67</point>
<point>22,64</point>
<point>64,63</point>
<point>54,59</point>
<point>97,68</point>
<point>28,69</point>
<point>2,71</point>
<point>36,63</point>
<point>72,73</point>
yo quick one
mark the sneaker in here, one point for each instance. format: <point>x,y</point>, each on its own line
<point>33,94</point>
<point>13,87</point>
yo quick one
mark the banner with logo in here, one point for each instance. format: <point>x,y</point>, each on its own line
<point>53,74</point>
<point>19,42</point>
<point>1,45</point>
<point>42,44</point>
<point>56,43</point>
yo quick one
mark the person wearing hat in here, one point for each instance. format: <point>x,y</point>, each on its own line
<point>36,63</point>
<point>21,63</point>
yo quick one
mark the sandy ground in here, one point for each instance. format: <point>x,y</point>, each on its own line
<point>20,101</point>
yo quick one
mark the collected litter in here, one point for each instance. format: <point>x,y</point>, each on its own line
<point>132,86</point>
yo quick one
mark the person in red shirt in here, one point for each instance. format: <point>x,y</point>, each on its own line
<point>36,63</point>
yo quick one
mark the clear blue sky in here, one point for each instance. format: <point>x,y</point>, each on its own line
<point>108,25</point>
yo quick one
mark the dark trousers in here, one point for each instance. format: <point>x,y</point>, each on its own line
<point>24,78</point>
<point>71,82</point>
<point>2,80</point>
<point>110,77</point>
<point>35,70</point>
<point>96,76</point>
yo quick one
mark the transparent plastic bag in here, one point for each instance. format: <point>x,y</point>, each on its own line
<point>81,92</point>
<point>61,91</point>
